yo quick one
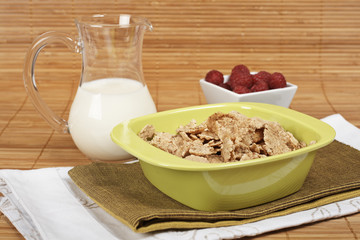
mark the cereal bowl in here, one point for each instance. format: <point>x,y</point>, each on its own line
<point>216,94</point>
<point>225,186</point>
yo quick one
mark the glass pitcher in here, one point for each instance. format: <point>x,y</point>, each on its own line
<point>112,87</point>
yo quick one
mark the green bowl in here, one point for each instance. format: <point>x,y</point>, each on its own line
<point>225,186</point>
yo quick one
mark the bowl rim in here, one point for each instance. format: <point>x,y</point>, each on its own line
<point>125,137</point>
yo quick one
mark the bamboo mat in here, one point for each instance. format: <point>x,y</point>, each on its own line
<point>315,44</point>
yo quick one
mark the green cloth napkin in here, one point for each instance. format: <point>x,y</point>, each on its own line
<point>124,192</point>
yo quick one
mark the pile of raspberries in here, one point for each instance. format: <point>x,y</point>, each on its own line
<point>241,81</point>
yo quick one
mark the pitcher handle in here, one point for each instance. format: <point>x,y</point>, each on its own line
<point>39,43</point>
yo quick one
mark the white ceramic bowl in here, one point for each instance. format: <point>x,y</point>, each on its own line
<point>281,96</point>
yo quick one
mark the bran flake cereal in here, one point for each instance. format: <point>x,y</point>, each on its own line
<point>224,138</point>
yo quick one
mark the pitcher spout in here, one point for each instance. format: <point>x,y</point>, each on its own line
<point>126,20</point>
<point>148,25</point>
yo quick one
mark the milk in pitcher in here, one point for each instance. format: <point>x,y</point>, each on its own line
<point>99,106</point>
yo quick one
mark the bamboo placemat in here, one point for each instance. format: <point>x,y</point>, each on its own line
<point>314,43</point>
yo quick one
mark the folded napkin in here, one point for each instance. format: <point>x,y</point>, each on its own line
<point>46,204</point>
<point>124,192</point>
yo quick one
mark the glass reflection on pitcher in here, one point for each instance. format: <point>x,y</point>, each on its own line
<point>112,86</point>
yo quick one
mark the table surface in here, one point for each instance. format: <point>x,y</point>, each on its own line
<point>315,44</point>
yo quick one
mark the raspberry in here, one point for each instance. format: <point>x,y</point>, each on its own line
<point>262,76</point>
<point>225,85</point>
<point>215,77</point>
<point>241,68</point>
<point>277,81</point>
<point>240,78</point>
<point>260,86</point>
<point>241,89</point>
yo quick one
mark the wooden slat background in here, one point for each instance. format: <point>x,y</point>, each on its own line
<point>316,44</point>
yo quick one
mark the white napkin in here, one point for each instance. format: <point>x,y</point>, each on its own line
<point>46,204</point>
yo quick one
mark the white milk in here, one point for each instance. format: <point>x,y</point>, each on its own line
<point>99,106</point>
